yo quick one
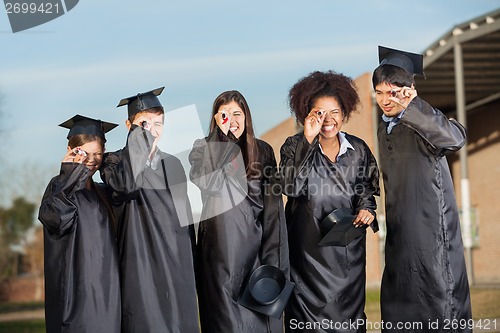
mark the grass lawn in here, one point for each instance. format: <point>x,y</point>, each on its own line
<point>27,326</point>
<point>485,303</point>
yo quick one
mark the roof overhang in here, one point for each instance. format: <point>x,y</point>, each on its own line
<point>468,53</point>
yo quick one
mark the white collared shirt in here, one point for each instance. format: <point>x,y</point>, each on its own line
<point>393,121</point>
<point>344,145</point>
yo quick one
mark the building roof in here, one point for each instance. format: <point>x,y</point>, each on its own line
<point>479,41</point>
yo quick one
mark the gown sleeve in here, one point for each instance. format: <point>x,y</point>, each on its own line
<point>274,249</point>
<point>368,187</point>
<point>296,163</point>
<point>123,171</point>
<point>58,209</point>
<point>214,160</point>
<point>442,135</point>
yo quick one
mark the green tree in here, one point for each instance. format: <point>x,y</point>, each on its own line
<point>14,224</point>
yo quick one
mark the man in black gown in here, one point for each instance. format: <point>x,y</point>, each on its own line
<point>155,231</point>
<point>424,285</point>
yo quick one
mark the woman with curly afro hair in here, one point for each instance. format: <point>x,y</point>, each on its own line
<point>322,170</point>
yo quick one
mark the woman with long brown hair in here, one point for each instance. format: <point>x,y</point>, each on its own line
<point>243,223</point>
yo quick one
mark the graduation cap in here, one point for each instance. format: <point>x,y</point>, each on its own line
<point>267,291</point>
<point>84,125</point>
<point>142,101</point>
<point>338,229</point>
<point>411,62</point>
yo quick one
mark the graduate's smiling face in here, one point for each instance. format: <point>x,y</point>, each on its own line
<point>94,151</point>
<point>334,117</point>
<point>154,122</point>
<point>383,96</point>
<point>236,118</point>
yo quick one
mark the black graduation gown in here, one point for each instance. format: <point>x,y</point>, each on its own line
<point>329,281</point>
<point>82,286</point>
<point>425,277</point>
<point>233,243</point>
<point>155,249</point>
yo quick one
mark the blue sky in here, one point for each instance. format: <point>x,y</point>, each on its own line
<point>101,51</point>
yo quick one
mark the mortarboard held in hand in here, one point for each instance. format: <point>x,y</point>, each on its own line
<point>413,63</point>
<point>267,291</point>
<point>142,101</point>
<point>338,229</point>
<point>84,125</point>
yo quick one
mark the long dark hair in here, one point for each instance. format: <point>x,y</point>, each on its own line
<point>247,140</point>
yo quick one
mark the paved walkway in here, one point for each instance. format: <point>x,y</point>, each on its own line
<point>22,315</point>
